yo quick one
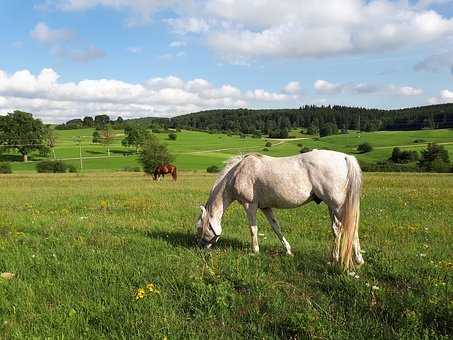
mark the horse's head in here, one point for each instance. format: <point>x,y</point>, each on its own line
<point>208,232</point>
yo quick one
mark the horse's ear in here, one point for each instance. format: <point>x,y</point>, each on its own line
<point>203,210</point>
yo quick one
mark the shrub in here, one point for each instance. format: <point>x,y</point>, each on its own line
<point>434,158</point>
<point>213,169</point>
<point>49,166</point>
<point>305,149</point>
<point>328,129</point>
<point>268,144</point>
<point>402,157</point>
<point>172,136</point>
<point>265,149</point>
<point>419,141</point>
<point>155,130</point>
<point>364,147</point>
<point>300,145</point>
<point>5,168</point>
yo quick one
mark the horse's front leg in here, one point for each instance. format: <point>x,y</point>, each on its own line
<point>276,227</point>
<point>251,209</point>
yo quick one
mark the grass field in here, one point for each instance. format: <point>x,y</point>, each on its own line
<point>198,150</point>
<point>83,246</point>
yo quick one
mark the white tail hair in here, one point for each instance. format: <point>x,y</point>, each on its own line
<point>350,212</point>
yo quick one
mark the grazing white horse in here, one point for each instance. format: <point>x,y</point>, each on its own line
<point>263,182</point>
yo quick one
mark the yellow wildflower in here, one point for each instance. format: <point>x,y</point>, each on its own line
<point>140,294</point>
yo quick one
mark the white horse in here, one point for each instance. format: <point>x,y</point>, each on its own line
<point>263,182</point>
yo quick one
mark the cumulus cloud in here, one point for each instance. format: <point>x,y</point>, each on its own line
<point>326,87</point>
<point>241,30</point>
<point>445,96</point>
<point>293,87</point>
<point>54,101</point>
<point>294,28</point>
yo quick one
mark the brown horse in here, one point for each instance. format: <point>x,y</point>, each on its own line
<point>164,169</point>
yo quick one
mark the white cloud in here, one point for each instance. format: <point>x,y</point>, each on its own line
<point>293,87</point>
<point>326,87</point>
<point>188,25</point>
<point>54,101</point>
<point>445,96</point>
<point>241,30</point>
<point>46,35</point>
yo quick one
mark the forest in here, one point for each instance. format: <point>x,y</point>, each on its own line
<point>323,120</point>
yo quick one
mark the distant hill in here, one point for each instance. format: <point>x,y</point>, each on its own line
<point>315,118</point>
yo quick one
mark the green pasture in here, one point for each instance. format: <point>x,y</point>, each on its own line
<point>112,255</point>
<point>194,150</point>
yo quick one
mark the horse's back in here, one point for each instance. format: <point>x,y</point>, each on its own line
<point>291,181</point>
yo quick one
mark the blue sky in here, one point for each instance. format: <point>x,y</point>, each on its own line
<point>69,58</point>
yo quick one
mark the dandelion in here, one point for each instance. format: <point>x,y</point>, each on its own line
<point>152,288</point>
<point>104,204</point>
<point>140,294</point>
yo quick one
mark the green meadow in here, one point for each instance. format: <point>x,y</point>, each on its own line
<point>112,255</point>
<point>196,151</point>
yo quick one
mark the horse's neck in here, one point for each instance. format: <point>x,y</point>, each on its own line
<point>218,202</point>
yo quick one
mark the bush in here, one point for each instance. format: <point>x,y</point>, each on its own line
<point>364,147</point>
<point>213,169</point>
<point>49,166</point>
<point>403,157</point>
<point>5,168</point>
<point>419,141</point>
<point>172,136</point>
<point>268,144</point>
<point>328,129</point>
<point>265,149</point>
<point>155,130</point>
<point>435,158</point>
<point>305,149</point>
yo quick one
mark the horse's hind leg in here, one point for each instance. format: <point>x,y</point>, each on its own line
<point>251,215</point>
<point>276,227</point>
<point>336,230</point>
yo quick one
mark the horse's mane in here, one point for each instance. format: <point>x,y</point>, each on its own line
<point>229,164</point>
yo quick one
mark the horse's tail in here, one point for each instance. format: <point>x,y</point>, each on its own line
<point>350,212</point>
<point>174,174</point>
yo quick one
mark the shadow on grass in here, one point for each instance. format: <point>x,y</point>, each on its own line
<point>188,240</point>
